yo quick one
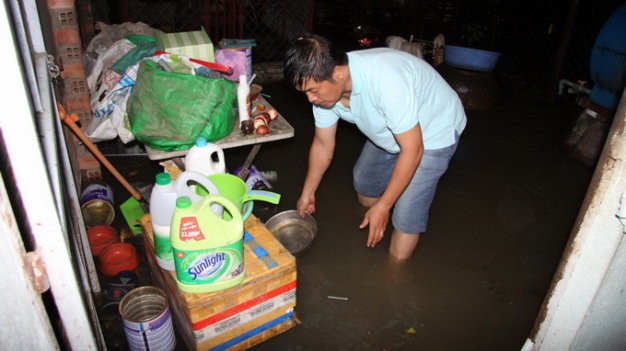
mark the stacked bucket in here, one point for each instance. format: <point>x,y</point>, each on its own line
<point>144,310</point>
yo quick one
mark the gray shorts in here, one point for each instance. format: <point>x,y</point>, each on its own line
<point>371,175</point>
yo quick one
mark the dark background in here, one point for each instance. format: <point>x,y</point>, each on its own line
<point>541,41</point>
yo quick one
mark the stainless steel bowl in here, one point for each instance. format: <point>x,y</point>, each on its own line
<point>296,233</point>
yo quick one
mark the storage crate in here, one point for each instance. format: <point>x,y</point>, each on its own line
<point>260,307</point>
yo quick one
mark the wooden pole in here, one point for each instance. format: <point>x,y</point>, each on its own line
<point>70,121</point>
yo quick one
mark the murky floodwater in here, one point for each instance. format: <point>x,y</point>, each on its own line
<point>497,228</point>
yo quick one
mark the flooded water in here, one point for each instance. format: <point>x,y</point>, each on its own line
<point>498,225</point>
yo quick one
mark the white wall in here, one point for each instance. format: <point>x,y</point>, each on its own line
<point>585,309</point>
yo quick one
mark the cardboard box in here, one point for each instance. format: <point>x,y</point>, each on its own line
<point>194,44</point>
<point>260,307</point>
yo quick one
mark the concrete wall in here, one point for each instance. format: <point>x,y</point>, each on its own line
<point>584,309</point>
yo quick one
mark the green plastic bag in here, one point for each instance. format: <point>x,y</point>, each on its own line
<point>169,110</point>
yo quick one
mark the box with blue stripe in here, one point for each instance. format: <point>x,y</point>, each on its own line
<point>260,307</point>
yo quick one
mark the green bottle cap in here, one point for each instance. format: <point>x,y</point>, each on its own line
<point>183,202</point>
<point>163,178</point>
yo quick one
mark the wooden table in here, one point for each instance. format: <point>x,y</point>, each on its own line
<point>279,129</point>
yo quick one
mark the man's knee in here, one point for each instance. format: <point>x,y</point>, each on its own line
<point>367,201</point>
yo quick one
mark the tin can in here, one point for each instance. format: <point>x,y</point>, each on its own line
<point>147,320</point>
<point>96,203</point>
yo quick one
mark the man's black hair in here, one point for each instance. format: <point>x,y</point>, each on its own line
<point>312,57</point>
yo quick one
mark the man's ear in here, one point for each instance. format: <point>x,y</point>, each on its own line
<point>338,73</point>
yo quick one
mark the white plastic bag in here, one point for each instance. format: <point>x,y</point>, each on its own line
<point>102,77</point>
<point>108,95</point>
<point>109,114</point>
<point>108,35</point>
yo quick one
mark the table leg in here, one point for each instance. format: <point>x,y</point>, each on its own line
<point>245,169</point>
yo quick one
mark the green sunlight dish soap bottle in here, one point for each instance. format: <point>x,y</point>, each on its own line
<point>208,250</point>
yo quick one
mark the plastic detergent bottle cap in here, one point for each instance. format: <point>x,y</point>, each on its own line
<point>201,142</point>
<point>183,202</point>
<point>163,178</point>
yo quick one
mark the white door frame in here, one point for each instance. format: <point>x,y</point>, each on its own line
<point>30,212</point>
<point>588,256</point>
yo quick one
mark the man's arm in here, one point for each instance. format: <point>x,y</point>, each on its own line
<point>320,156</point>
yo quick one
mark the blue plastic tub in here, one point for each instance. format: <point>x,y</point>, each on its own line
<point>471,59</point>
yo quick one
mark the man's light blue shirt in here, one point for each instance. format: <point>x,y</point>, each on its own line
<point>392,91</point>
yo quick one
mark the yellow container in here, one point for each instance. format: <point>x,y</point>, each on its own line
<point>208,250</point>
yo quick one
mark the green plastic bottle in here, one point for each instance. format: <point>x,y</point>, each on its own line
<point>208,250</point>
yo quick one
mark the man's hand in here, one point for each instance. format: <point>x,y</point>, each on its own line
<point>411,151</point>
<point>377,218</point>
<point>306,204</point>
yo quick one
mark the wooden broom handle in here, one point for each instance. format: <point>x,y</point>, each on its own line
<point>70,120</point>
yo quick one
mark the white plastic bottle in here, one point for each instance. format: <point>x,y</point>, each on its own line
<point>243,105</point>
<point>162,206</point>
<point>205,158</point>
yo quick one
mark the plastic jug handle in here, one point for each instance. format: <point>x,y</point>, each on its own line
<point>262,195</point>
<point>183,188</point>
<point>218,165</point>
<point>219,200</point>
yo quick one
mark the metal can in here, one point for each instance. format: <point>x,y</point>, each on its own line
<point>147,320</point>
<point>96,203</point>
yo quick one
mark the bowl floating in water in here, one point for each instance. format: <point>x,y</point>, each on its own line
<point>296,233</point>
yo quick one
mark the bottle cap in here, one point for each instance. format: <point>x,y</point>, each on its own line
<point>163,178</point>
<point>183,202</point>
<point>201,141</point>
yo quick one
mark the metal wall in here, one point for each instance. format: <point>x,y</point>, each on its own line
<point>541,41</point>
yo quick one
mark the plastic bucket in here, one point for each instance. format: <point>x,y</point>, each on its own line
<point>234,189</point>
<point>147,320</point>
<point>471,59</point>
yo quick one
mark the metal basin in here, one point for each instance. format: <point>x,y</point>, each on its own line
<point>296,233</point>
